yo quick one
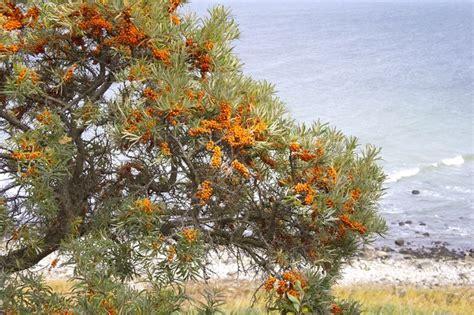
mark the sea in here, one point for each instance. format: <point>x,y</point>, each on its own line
<point>399,75</point>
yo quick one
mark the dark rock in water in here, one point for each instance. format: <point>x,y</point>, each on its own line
<point>400,242</point>
<point>422,223</point>
<point>401,223</point>
<point>417,232</point>
<point>408,222</point>
<point>415,192</point>
<point>426,234</point>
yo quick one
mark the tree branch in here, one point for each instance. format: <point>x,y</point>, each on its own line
<point>13,121</point>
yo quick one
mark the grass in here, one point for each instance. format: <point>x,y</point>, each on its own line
<point>411,300</point>
<point>386,300</point>
<point>60,285</point>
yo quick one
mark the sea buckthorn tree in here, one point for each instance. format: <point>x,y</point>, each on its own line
<point>135,150</point>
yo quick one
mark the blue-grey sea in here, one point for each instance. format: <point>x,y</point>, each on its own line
<point>399,75</point>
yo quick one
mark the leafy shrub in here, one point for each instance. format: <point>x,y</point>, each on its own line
<point>134,146</point>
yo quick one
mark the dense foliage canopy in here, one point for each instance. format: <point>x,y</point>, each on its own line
<point>133,145</point>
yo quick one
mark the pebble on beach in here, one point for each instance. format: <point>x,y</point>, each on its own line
<point>400,242</point>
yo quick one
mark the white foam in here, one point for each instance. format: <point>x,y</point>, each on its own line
<point>457,160</point>
<point>396,176</point>
<point>459,189</point>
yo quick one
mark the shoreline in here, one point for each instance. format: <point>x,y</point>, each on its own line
<point>422,267</point>
<point>415,233</point>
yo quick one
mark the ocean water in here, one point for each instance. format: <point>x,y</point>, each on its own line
<point>399,75</point>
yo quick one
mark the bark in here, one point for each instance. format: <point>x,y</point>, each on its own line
<point>25,257</point>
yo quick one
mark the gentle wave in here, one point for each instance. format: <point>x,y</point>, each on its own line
<point>395,177</point>
<point>455,161</point>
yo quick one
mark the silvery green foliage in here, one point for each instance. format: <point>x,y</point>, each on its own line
<point>133,145</point>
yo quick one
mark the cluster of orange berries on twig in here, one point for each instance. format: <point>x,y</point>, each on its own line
<point>124,34</point>
<point>304,154</point>
<point>268,160</point>
<point>205,191</point>
<point>190,234</point>
<point>162,54</point>
<point>8,49</point>
<point>21,76</point>
<point>295,147</point>
<point>45,117</point>
<point>239,167</point>
<point>171,253</point>
<point>354,197</point>
<point>26,156</point>
<point>128,33</point>
<point>200,56</point>
<point>26,74</point>
<point>198,97</point>
<point>216,159</point>
<point>165,148</point>
<point>286,284</point>
<point>92,21</point>
<point>308,190</point>
<point>28,152</point>
<point>16,19</point>
<point>150,94</point>
<point>69,73</point>
<point>336,309</point>
<point>171,9</point>
<point>136,120</point>
<point>352,225</point>
<point>237,132</point>
<point>145,205</point>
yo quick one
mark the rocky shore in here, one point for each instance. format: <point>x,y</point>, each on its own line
<point>398,265</point>
<point>418,266</point>
<point>427,233</point>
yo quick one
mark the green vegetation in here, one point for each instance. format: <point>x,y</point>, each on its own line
<point>410,300</point>
<point>134,148</point>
